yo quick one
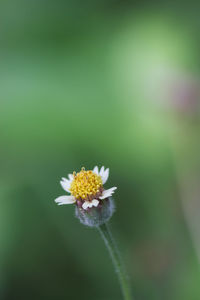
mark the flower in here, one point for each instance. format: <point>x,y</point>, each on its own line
<point>86,188</point>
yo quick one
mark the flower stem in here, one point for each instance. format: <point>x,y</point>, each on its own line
<point>112,248</point>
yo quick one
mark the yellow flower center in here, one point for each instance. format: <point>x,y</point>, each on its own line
<point>86,184</point>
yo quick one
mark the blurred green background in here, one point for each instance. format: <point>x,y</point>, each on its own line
<point>112,83</point>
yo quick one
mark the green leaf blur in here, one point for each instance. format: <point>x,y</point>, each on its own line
<point>87,83</point>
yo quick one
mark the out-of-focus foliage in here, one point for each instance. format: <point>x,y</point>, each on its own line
<point>107,83</point>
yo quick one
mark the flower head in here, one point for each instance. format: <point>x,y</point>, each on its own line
<point>86,188</point>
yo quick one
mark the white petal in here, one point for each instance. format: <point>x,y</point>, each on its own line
<point>87,204</point>
<point>65,183</point>
<point>95,202</point>
<point>107,193</point>
<point>71,177</point>
<point>104,174</point>
<point>101,172</point>
<point>65,200</point>
<point>96,170</point>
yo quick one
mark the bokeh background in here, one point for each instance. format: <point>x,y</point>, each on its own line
<point>112,83</point>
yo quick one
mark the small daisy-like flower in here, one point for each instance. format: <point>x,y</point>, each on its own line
<point>86,188</point>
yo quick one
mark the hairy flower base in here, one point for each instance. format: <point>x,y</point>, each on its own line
<point>96,216</point>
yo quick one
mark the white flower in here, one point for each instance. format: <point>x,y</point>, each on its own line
<point>86,188</point>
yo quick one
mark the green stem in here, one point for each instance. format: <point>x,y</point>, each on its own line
<point>110,244</point>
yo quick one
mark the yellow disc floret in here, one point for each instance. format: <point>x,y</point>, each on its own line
<point>85,184</point>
